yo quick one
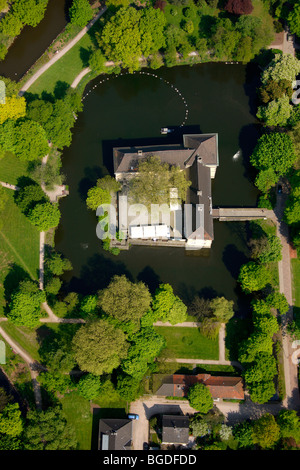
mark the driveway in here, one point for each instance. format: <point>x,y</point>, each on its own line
<point>148,407</point>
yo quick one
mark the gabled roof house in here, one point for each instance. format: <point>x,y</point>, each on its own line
<point>220,387</point>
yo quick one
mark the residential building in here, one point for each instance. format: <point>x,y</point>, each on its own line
<point>115,434</point>
<point>230,388</point>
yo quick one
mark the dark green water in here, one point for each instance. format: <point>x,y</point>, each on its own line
<point>32,42</point>
<point>131,109</point>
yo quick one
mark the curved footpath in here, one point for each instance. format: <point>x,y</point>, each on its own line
<point>61,53</point>
<point>34,366</point>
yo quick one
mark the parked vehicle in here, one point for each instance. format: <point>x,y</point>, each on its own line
<point>279,189</point>
<point>133,416</point>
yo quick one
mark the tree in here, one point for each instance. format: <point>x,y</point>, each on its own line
<point>145,346</point>
<point>222,309</point>
<point>129,388</point>
<point>11,25</point>
<point>282,67</point>
<point>25,304</point>
<point>25,138</point>
<point>293,19</point>
<point>276,112</point>
<point>256,344</point>
<point>266,324</point>
<point>39,111</point>
<point>167,306</point>
<point>265,431</point>
<point>125,300</point>
<point>275,151</point>
<point>55,381</point>
<point>200,398</point>
<point>89,304</point>
<point>266,179</point>
<point>80,12</point>
<point>57,265</point>
<point>289,424</point>
<point>178,312</point>
<point>292,207</point>
<point>225,432</point>
<point>4,399</point>
<point>253,276</point>
<point>14,108</point>
<point>30,12</point>
<point>151,26</point>
<point>199,427</point>
<point>266,249</point>
<point>210,327</point>
<point>96,197</point>
<point>89,386</point>
<point>58,126</point>
<point>48,430</point>
<point>278,300</point>
<point>243,434</point>
<point>99,347</point>
<point>121,38</point>
<point>53,286</point>
<point>11,422</point>
<point>239,7</point>
<point>262,369</point>
<point>273,90</point>
<point>97,61</point>
<point>45,216</point>
<point>29,196</point>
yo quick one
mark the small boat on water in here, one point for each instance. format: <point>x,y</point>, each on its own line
<point>165,130</point>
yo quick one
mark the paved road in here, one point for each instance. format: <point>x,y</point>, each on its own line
<point>61,53</point>
<point>292,399</point>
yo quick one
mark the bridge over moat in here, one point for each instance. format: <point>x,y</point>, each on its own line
<point>242,214</point>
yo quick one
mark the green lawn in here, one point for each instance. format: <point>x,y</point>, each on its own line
<point>11,168</point>
<point>188,343</point>
<point>296,281</point>
<point>78,413</point>
<point>25,337</point>
<point>68,67</point>
<point>19,238</point>
<point>19,248</point>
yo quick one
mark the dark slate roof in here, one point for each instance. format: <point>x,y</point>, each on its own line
<point>175,429</point>
<point>127,159</point>
<point>205,145</point>
<point>119,432</point>
<point>200,193</point>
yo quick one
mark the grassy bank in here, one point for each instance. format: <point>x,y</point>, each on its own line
<point>188,343</point>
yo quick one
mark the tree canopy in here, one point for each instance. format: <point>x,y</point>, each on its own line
<point>49,430</point>
<point>154,181</point>
<point>25,138</point>
<point>80,12</point>
<point>125,300</point>
<point>265,431</point>
<point>275,151</point>
<point>200,398</point>
<point>167,306</point>
<point>99,347</point>
<point>25,304</point>
<point>254,276</point>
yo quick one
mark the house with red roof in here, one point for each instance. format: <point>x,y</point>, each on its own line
<point>220,387</point>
